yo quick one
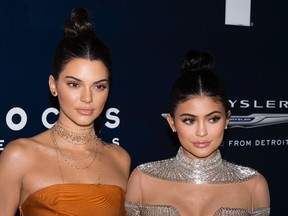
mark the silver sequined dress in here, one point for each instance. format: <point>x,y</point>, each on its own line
<point>171,177</point>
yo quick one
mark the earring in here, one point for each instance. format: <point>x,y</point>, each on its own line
<point>226,127</point>
<point>53,93</point>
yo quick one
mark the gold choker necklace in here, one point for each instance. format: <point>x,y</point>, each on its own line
<point>74,138</point>
<point>69,160</point>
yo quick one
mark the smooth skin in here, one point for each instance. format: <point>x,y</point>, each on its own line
<point>29,164</point>
<point>199,123</point>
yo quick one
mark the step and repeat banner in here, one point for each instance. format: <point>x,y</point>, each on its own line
<point>148,40</point>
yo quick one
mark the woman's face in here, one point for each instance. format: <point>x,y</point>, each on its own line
<point>82,90</point>
<point>199,123</point>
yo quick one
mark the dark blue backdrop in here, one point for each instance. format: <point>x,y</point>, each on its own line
<point>148,40</point>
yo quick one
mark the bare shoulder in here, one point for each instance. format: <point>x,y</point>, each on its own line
<point>16,149</point>
<point>261,192</point>
<point>134,186</point>
<point>262,183</point>
<point>20,150</point>
<point>15,157</point>
<point>262,180</point>
<point>137,177</point>
<point>16,161</point>
<point>117,151</point>
<point>135,174</point>
<point>120,156</point>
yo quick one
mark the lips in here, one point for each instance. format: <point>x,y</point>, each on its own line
<point>85,111</point>
<point>201,144</point>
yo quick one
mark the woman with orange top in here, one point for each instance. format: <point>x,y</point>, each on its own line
<point>68,170</point>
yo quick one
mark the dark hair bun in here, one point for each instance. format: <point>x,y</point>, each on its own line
<point>196,61</point>
<point>80,22</point>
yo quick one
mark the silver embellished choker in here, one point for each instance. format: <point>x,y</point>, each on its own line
<point>212,170</point>
<point>200,170</point>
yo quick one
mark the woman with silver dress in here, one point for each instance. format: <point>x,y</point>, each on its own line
<point>197,181</point>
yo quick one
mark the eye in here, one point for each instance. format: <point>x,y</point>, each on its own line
<point>73,84</point>
<point>188,121</point>
<point>214,119</point>
<point>101,86</point>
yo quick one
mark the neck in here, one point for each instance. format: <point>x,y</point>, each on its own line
<point>76,128</point>
<point>201,165</point>
<point>77,137</point>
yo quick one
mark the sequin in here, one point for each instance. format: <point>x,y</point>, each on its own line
<point>183,169</point>
<point>198,171</point>
<point>133,209</point>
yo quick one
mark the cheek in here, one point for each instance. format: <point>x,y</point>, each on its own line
<point>184,131</point>
<point>100,98</point>
<point>218,131</point>
<point>67,97</point>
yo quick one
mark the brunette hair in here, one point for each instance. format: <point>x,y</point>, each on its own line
<point>79,41</point>
<point>197,79</point>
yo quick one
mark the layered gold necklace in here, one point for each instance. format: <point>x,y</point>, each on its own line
<point>75,139</point>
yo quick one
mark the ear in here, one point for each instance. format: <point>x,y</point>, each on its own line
<point>171,123</point>
<point>228,115</point>
<point>52,85</point>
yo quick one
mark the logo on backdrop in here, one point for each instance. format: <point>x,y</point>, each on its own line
<point>253,121</point>
<point>113,120</point>
<point>1,145</point>
<point>257,120</point>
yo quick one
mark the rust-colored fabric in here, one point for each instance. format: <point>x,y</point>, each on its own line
<point>75,200</point>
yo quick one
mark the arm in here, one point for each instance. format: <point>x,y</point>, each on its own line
<point>11,161</point>
<point>133,195</point>
<point>261,197</point>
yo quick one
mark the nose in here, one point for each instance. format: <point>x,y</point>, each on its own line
<point>86,96</point>
<point>201,130</point>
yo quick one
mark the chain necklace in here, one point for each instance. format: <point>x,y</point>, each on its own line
<point>65,155</point>
<point>68,159</point>
<point>74,138</point>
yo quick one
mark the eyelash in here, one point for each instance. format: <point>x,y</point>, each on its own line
<point>98,86</point>
<point>73,84</point>
<point>215,119</point>
<point>190,121</point>
<point>102,86</point>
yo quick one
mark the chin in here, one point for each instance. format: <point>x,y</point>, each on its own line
<point>84,123</point>
<point>201,153</point>
<point>207,154</point>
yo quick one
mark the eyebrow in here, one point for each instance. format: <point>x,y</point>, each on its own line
<point>79,80</point>
<point>209,114</point>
